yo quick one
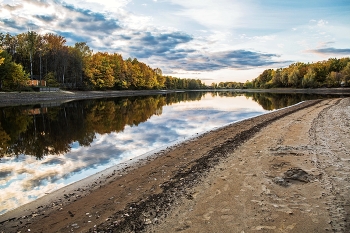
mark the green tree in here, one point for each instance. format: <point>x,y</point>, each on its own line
<point>82,53</point>
<point>309,78</point>
<point>194,84</point>
<point>18,77</point>
<point>346,74</point>
<point>277,78</point>
<point>56,57</point>
<point>8,43</point>
<point>12,75</point>
<point>264,78</point>
<point>32,40</point>
<point>293,77</point>
<point>333,79</point>
<point>284,77</point>
<point>248,85</point>
<point>51,80</point>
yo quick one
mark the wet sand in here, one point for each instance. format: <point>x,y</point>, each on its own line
<point>286,171</point>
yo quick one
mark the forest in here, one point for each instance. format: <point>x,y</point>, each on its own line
<point>330,73</point>
<point>32,56</point>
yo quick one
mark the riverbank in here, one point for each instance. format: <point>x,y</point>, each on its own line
<point>324,91</point>
<point>282,171</point>
<point>28,98</point>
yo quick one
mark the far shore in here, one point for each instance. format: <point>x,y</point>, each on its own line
<point>28,98</point>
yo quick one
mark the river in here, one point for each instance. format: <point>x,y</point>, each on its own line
<point>46,147</point>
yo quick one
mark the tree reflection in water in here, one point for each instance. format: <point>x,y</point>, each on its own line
<point>44,148</point>
<point>40,131</point>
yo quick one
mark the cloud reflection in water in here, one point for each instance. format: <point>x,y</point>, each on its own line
<point>24,179</point>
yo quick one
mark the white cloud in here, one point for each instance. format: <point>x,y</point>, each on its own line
<point>103,6</point>
<point>214,14</point>
<point>322,22</point>
<point>213,25</point>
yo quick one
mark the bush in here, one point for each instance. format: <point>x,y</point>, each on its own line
<point>51,80</point>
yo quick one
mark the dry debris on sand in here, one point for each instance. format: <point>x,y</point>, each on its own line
<point>286,171</point>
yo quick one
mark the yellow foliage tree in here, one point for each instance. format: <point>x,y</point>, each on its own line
<point>1,58</point>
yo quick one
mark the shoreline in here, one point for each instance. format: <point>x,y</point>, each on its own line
<point>158,180</point>
<point>129,164</point>
<point>30,98</point>
<point>338,91</point>
<point>291,176</point>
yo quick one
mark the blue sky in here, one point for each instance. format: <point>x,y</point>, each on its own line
<point>213,40</point>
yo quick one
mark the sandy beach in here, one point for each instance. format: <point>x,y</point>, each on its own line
<point>285,171</point>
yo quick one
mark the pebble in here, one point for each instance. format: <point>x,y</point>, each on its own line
<point>148,221</point>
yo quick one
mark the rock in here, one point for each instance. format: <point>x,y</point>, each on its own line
<point>148,221</point>
<point>280,181</point>
<point>70,214</point>
<point>298,174</point>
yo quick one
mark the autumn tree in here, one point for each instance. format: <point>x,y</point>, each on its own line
<point>8,43</point>
<point>309,78</point>
<point>330,73</point>
<point>1,58</point>
<point>12,75</point>
<point>293,77</point>
<point>48,57</point>
<point>56,57</point>
<point>346,74</point>
<point>119,69</point>
<point>276,80</point>
<point>99,71</point>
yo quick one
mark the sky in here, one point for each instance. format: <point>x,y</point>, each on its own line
<point>212,40</point>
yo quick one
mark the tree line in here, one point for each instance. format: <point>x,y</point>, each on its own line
<point>330,73</point>
<point>47,57</point>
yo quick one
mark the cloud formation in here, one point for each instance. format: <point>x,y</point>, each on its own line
<point>212,61</point>
<point>147,44</point>
<point>74,23</point>
<point>331,51</point>
<point>201,36</point>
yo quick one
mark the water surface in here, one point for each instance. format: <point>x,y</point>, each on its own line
<point>44,148</point>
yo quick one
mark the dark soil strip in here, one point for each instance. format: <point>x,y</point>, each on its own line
<point>137,216</point>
